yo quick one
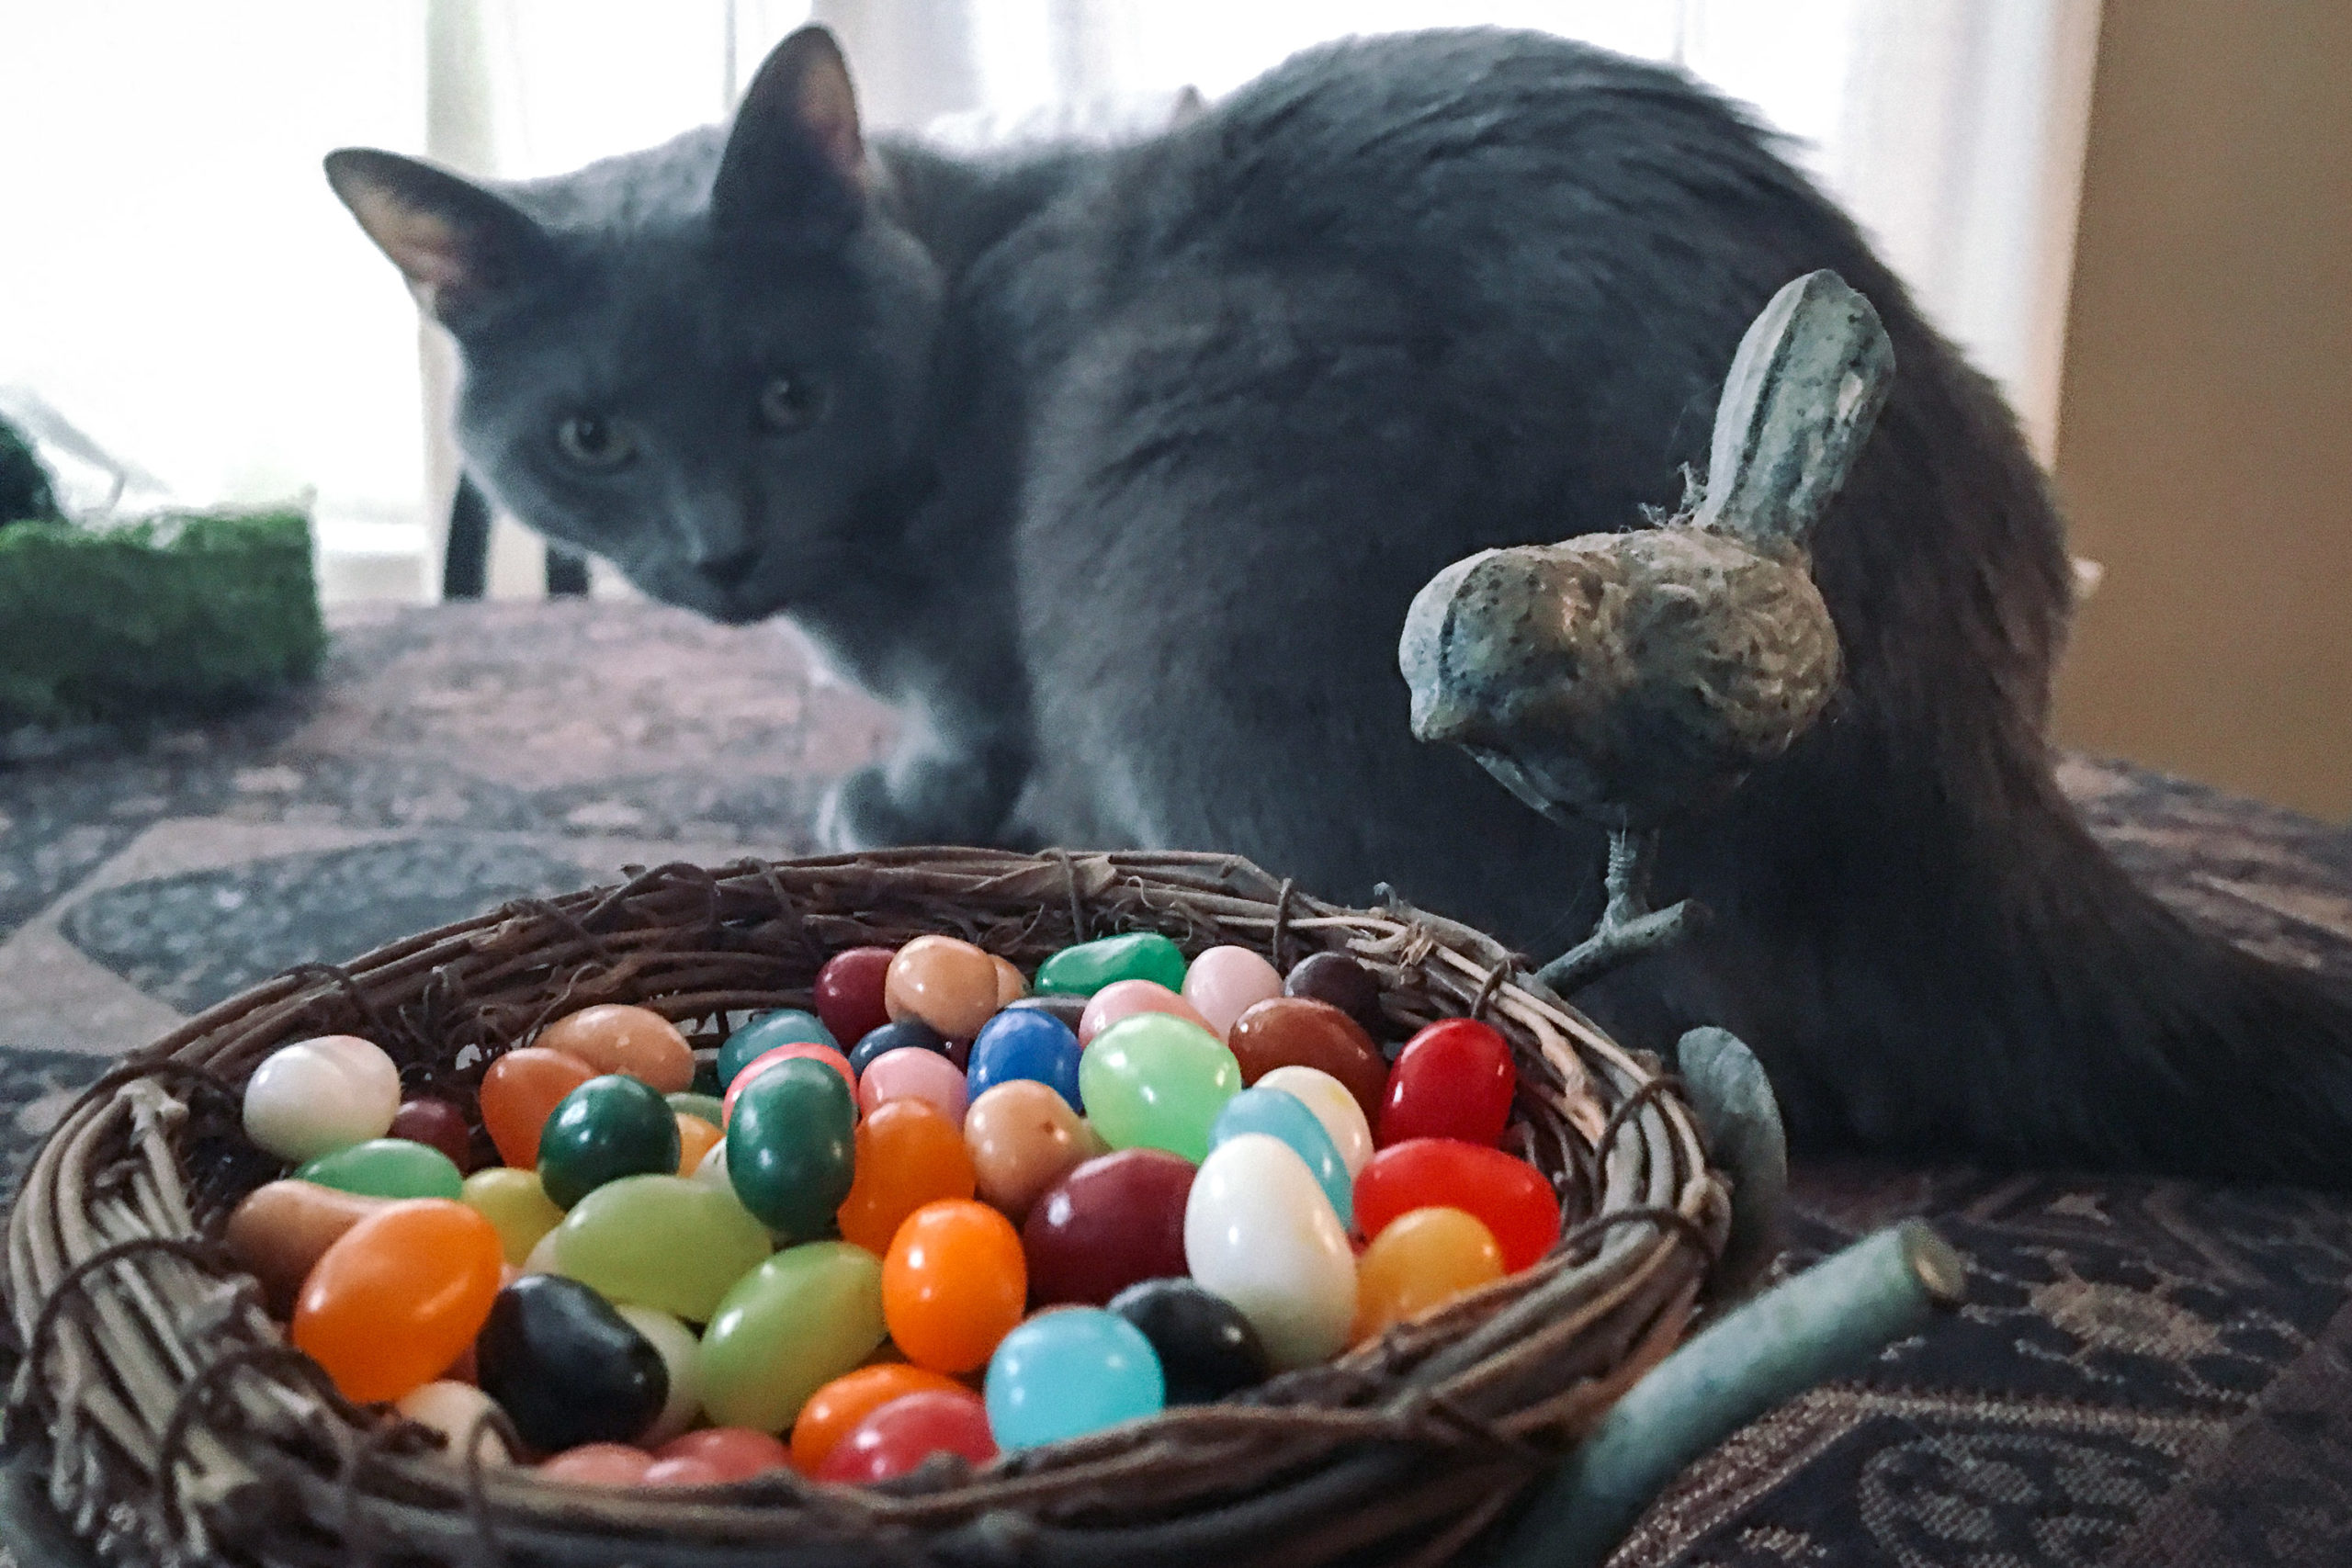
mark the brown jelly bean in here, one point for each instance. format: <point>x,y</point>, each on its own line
<point>281,1229</point>
<point>1297,1032</point>
<point>437,1123</point>
<point>1338,979</point>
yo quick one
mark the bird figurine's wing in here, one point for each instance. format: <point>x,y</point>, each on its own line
<point>1803,394</point>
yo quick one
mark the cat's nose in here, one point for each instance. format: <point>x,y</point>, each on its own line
<point>728,571</point>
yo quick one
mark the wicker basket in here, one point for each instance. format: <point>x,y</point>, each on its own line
<point>182,1428</point>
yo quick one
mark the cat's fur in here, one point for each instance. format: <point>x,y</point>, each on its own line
<point>1129,462</point>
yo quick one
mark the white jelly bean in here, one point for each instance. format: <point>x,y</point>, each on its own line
<point>1259,1232</point>
<point>318,1096</point>
<point>453,1409</point>
<point>681,1353</point>
<point>1333,1106</point>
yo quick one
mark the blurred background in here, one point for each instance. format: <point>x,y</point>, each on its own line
<point>2133,216</point>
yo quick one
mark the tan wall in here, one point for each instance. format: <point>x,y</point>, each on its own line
<point>2205,421</point>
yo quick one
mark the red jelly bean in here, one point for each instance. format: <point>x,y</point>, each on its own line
<point>1454,1079</point>
<point>1111,1222</point>
<point>1509,1197</point>
<point>849,992</point>
<point>685,1471</point>
<point>900,1435</point>
<point>599,1464</point>
<point>793,1052</point>
<point>435,1121</point>
<point>737,1453</point>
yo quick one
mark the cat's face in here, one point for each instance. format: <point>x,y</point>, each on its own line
<point>704,362</point>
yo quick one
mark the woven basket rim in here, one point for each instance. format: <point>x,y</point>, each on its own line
<point>179,1423</point>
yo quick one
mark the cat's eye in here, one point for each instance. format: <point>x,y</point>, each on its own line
<point>792,402</point>
<point>591,441</point>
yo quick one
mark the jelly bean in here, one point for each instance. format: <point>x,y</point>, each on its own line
<point>1064,1374</point>
<point>712,1171</point>
<point>514,1203</point>
<point>799,1051</point>
<point>790,1149</point>
<point>1226,982</point>
<point>907,1156</point>
<point>1258,1233</point>
<point>519,1091</point>
<point>680,1351</point>
<point>397,1297</point>
<point>1207,1348</point>
<point>609,1127</point>
<point>1083,970</point>
<point>1509,1197</point>
<point>910,1073</point>
<point>662,1241</point>
<point>710,1107</point>
<point>1153,1081</point>
<point>953,1284</point>
<point>1024,1137</point>
<point>688,1472</point>
<point>764,1033</point>
<point>317,1096</point>
<point>598,1464</point>
<point>278,1231</point>
<point>1454,1079</point>
<point>896,1438</point>
<point>1333,1106</point>
<point>1280,1116</point>
<point>1108,1224</point>
<point>908,1034</point>
<point>835,1409</point>
<point>848,992</point>
<point>1124,999</point>
<point>566,1367</point>
<point>1341,980</point>
<point>386,1168</point>
<point>947,984</point>
<point>1024,1045</point>
<point>614,1037</point>
<point>1071,1011</point>
<point>437,1124</point>
<point>738,1453</point>
<point>1294,1032</point>
<point>789,1327</point>
<point>463,1414</point>
<point>543,1259</point>
<point>1011,984</point>
<point>697,1138</point>
<point>1419,1260</point>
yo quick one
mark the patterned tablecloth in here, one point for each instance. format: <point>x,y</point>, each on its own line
<point>2147,1373</point>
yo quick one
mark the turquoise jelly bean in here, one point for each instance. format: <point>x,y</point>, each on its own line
<point>764,1033</point>
<point>1071,1373</point>
<point>1286,1117</point>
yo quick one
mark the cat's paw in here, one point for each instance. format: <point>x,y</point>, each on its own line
<point>872,809</point>
<point>858,813</point>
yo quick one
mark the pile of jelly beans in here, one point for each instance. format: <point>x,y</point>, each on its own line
<point>995,1220</point>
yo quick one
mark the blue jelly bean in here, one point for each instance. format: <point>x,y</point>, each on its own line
<point>1286,1117</point>
<point>889,1037</point>
<point>1026,1043</point>
<point>1070,1373</point>
<point>764,1033</point>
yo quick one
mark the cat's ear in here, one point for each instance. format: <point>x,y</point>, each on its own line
<point>795,155</point>
<point>461,248</point>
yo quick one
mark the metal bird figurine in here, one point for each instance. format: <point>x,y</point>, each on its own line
<point>1628,678</point>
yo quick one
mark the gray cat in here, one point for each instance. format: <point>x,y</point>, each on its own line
<point>1117,469</point>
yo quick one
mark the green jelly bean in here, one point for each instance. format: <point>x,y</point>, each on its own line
<point>791,1146</point>
<point>788,1327</point>
<point>607,1128</point>
<point>1085,969</point>
<point>710,1107</point>
<point>387,1168</point>
<point>662,1242</point>
<point>1153,1081</point>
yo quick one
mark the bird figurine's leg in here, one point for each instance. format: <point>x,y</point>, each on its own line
<point>1629,928</point>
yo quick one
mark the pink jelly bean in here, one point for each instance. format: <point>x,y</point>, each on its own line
<point>767,1059</point>
<point>1124,999</point>
<point>912,1073</point>
<point>1226,982</point>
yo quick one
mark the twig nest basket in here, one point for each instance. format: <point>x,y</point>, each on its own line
<point>181,1429</point>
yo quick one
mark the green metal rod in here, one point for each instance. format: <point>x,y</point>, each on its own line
<point>1825,1323</point>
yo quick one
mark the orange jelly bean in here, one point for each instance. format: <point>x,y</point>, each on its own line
<point>953,1284</point>
<point>908,1155</point>
<point>615,1038</point>
<point>519,1092</point>
<point>1421,1260</point>
<point>842,1404</point>
<point>400,1297</point>
<point>697,1138</point>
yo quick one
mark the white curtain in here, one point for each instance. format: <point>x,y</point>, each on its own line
<point>178,284</point>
